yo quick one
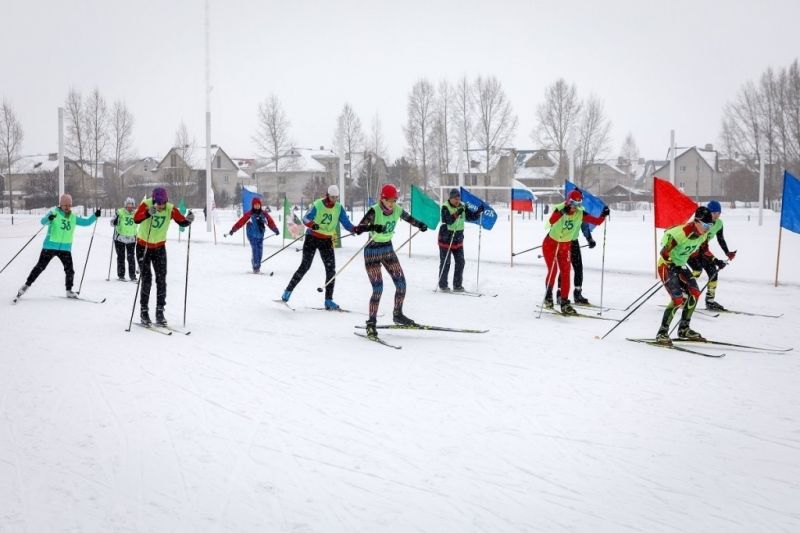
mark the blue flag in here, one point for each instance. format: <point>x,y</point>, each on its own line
<point>591,204</point>
<point>790,210</point>
<point>473,202</point>
<point>247,199</point>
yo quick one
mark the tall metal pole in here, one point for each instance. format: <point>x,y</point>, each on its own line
<point>209,211</point>
<point>672,156</point>
<point>761,187</point>
<point>342,198</point>
<point>60,151</point>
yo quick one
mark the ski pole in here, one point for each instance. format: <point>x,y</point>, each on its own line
<point>319,289</point>
<point>632,311</point>
<point>87,255</point>
<point>603,268</point>
<point>186,283</point>
<point>548,280</point>
<point>480,234</point>
<point>285,247</point>
<point>406,241</point>
<point>525,251</point>
<point>139,279</point>
<point>441,270</point>
<point>642,295</point>
<point>698,298</point>
<point>23,247</point>
<point>111,257</point>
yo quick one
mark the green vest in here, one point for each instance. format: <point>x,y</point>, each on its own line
<point>458,225</point>
<point>62,227</point>
<point>125,224</point>
<point>389,221</point>
<point>684,248</point>
<point>568,227</point>
<point>159,224</point>
<point>712,233</point>
<point>327,218</point>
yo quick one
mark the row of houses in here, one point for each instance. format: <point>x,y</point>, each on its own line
<point>302,173</point>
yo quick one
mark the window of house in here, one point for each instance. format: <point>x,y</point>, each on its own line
<point>683,168</point>
<point>173,160</point>
<point>226,178</point>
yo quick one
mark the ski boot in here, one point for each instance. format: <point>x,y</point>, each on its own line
<point>256,271</point>
<point>662,337</point>
<point>444,288</point>
<point>160,318</point>
<point>458,289</point>
<point>548,301</point>
<point>402,320</point>
<point>134,279</point>
<point>566,307</point>
<point>579,299</point>
<point>73,295</point>
<point>286,296</point>
<point>330,305</point>
<point>144,317</point>
<point>685,332</point>
<point>372,331</point>
<point>120,278</point>
<point>712,305</point>
<point>22,290</point>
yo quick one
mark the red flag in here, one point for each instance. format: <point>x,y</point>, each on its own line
<point>671,206</point>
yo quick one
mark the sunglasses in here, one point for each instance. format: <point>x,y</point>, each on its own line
<point>706,225</point>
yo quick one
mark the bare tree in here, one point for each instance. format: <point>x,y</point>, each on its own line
<point>630,150</point>
<point>378,153</point>
<point>557,117</point>
<point>593,134</point>
<point>122,141</point>
<point>272,132</point>
<point>419,126</point>
<point>442,127</point>
<point>11,135</point>
<point>376,142</point>
<point>97,122</point>
<point>180,170</point>
<point>464,107</point>
<point>496,121</point>
<point>77,136</point>
<point>349,141</point>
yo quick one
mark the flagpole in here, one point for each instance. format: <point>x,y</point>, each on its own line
<point>655,238</point>
<point>778,261</point>
<point>480,234</point>
<point>511,213</point>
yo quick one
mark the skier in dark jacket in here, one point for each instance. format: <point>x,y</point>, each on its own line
<point>703,258</point>
<point>451,239</point>
<point>257,221</point>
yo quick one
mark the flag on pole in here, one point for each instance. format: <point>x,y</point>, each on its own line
<point>522,200</point>
<point>591,204</point>
<point>182,209</point>
<point>424,208</point>
<point>790,209</point>
<point>670,205</point>
<point>473,202</point>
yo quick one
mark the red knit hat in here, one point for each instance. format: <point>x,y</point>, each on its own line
<point>575,195</point>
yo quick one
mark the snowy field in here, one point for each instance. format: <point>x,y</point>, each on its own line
<point>264,419</point>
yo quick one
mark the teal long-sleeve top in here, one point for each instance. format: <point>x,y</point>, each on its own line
<point>63,226</point>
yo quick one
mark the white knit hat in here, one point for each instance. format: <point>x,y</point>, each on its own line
<point>333,190</point>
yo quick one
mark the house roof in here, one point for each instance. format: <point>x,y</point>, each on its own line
<point>300,160</point>
<point>34,164</point>
<point>548,171</point>
<point>610,163</point>
<point>708,156</point>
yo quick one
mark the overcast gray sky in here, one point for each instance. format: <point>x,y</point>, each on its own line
<point>657,65</point>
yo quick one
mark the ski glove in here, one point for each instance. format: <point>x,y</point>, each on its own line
<point>314,226</point>
<point>190,217</point>
<point>152,210</point>
<point>606,211</point>
<point>98,212</point>
<point>423,227</point>
<point>592,244</point>
<point>51,217</point>
<point>731,255</point>
<point>720,264</point>
<point>377,228</point>
<point>481,209</point>
<point>115,221</point>
<point>459,211</point>
<point>275,231</point>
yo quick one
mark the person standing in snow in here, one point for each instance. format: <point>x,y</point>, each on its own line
<point>257,221</point>
<point>125,239</point>
<point>565,224</point>
<point>451,239</point>
<point>321,220</point>
<point>380,220</point>
<point>703,258</point>
<point>154,216</point>
<point>677,245</point>
<point>577,265</point>
<point>61,223</point>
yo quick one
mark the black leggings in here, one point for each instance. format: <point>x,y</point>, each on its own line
<point>45,257</point>
<point>125,250</point>
<point>444,266</point>
<point>310,246</point>
<point>158,258</point>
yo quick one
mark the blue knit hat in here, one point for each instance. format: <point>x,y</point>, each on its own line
<point>714,206</point>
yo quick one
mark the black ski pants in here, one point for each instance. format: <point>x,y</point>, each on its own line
<point>444,267</point>
<point>125,250</point>
<point>310,247</point>
<point>44,259</point>
<point>157,257</point>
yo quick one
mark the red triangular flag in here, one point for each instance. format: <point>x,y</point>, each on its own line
<point>671,206</point>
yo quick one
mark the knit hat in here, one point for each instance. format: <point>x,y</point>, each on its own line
<point>714,206</point>
<point>130,201</point>
<point>455,193</point>
<point>255,201</point>
<point>389,191</point>
<point>65,199</point>
<point>575,195</point>
<point>333,190</point>
<point>159,195</point>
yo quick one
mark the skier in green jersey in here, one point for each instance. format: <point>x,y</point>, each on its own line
<point>703,259</point>
<point>125,239</point>
<point>678,244</point>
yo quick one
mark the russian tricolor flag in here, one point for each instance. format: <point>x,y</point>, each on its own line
<point>522,200</point>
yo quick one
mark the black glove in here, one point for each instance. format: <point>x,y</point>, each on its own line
<point>358,230</point>
<point>481,209</point>
<point>422,226</point>
<point>98,212</point>
<point>592,244</point>
<point>275,231</point>
<point>231,232</point>
<point>376,228</point>
<point>152,210</point>
<point>115,221</point>
<point>190,217</point>
<point>606,211</point>
<point>720,264</point>
<point>315,226</point>
<point>459,211</point>
<point>51,217</point>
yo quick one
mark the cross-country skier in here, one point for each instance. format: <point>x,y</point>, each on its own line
<point>60,222</point>
<point>380,220</point>
<point>154,216</point>
<point>321,220</point>
<point>125,239</point>
<point>451,239</point>
<point>565,225</point>
<point>577,264</point>
<point>257,221</point>
<point>703,259</point>
<point>678,244</point>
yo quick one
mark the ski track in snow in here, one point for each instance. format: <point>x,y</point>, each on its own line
<point>266,419</point>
